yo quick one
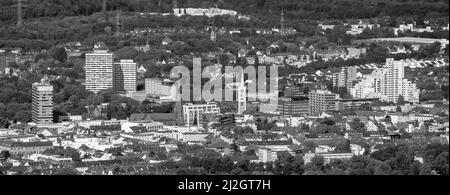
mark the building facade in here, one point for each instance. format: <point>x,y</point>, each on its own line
<point>25,148</point>
<point>345,78</point>
<point>194,112</point>
<point>160,87</point>
<point>387,83</point>
<point>322,101</point>
<point>125,76</point>
<point>266,155</point>
<point>99,70</point>
<point>293,108</point>
<point>42,103</point>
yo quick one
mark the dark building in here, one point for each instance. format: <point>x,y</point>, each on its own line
<point>293,108</point>
<point>228,119</point>
<point>4,155</point>
<point>6,58</point>
<point>295,91</point>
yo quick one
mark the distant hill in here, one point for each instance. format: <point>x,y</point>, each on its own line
<point>266,9</point>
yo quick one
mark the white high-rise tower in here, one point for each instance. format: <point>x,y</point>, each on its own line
<point>99,70</point>
<point>242,96</point>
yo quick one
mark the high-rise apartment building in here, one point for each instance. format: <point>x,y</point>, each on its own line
<point>387,83</point>
<point>322,101</point>
<point>124,76</point>
<point>345,78</point>
<point>99,70</point>
<point>368,87</point>
<point>42,103</point>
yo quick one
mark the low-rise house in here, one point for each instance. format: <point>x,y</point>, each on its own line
<point>370,126</point>
<point>273,145</point>
<point>194,137</point>
<point>324,149</point>
<point>24,148</point>
<point>357,149</point>
<point>328,157</point>
<point>266,155</point>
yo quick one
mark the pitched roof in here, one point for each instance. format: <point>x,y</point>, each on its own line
<point>26,144</point>
<point>153,117</point>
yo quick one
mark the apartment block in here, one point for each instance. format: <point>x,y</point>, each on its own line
<point>125,76</point>
<point>99,70</point>
<point>42,103</point>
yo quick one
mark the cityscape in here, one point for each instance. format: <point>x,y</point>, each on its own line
<point>199,87</point>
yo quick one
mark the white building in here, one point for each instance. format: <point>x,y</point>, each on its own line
<point>149,126</point>
<point>211,12</point>
<point>370,126</point>
<point>160,87</point>
<point>42,103</point>
<point>99,70</point>
<point>357,149</point>
<point>327,157</point>
<point>266,155</point>
<point>193,112</point>
<point>194,137</point>
<point>387,83</point>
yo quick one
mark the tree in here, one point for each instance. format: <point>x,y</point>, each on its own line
<point>440,164</point>
<point>23,116</point>
<point>59,54</point>
<point>359,165</point>
<point>4,123</point>
<point>387,119</point>
<point>382,168</point>
<point>400,100</point>
<point>304,128</point>
<point>357,126</point>
<point>343,146</point>
<point>66,171</point>
<point>126,53</point>
<point>415,168</point>
<point>398,109</point>
<point>308,146</point>
<point>426,169</point>
<point>224,59</point>
<point>317,163</point>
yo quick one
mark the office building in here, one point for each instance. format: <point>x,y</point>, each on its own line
<point>322,101</point>
<point>125,76</point>
<point>42,103</point>
<point>192,113</point>
<point>99,70</point>
<point>160,87</point>
<point>293,108</point>
<point>295,91</point>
